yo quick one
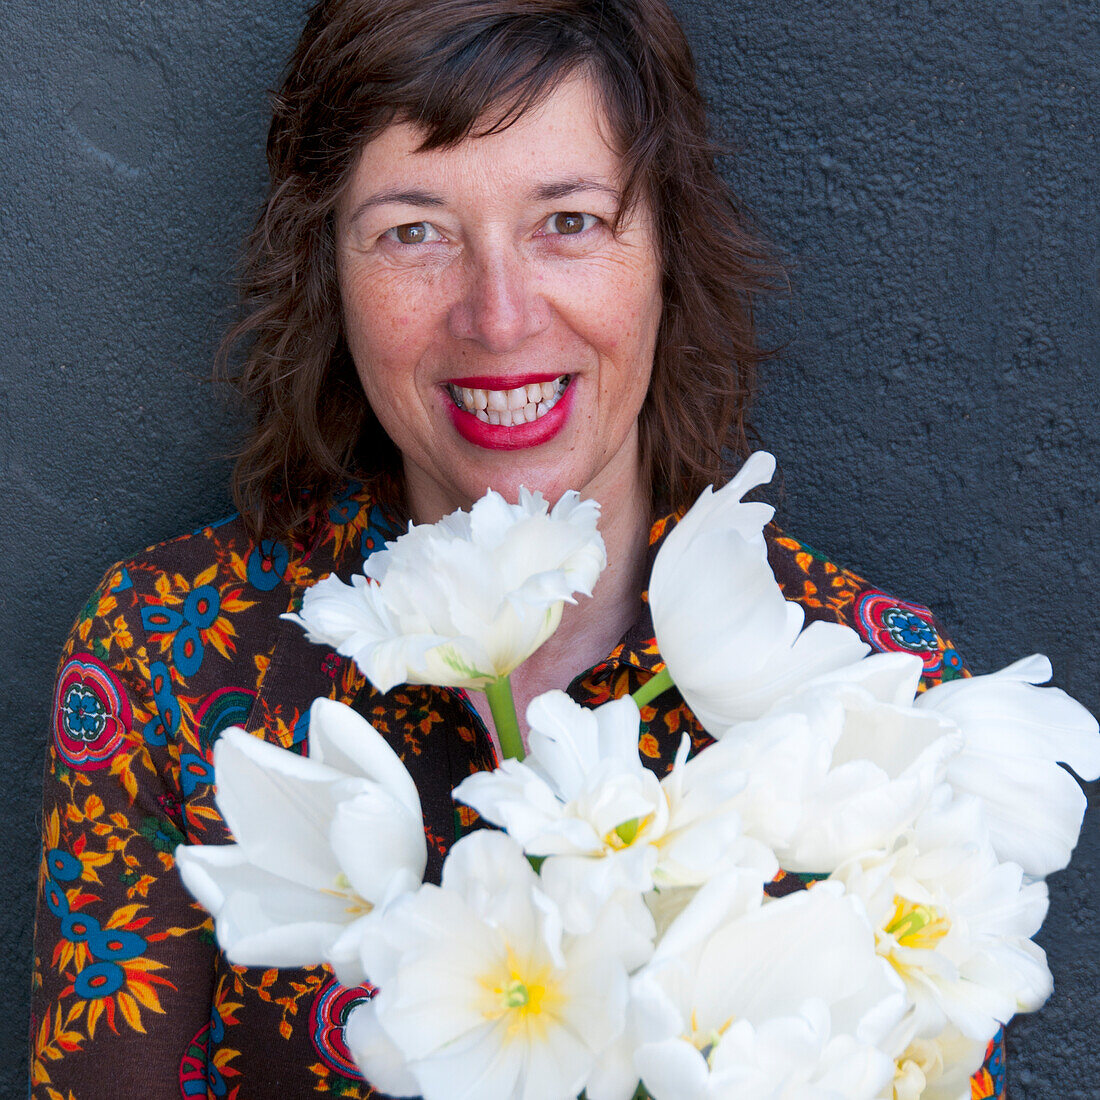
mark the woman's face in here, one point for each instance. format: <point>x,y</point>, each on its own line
<point>504,335</point>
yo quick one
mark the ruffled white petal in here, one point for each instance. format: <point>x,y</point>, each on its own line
<point>461,602</point>
<point>733,645</point>
<point>1016,734</point>
<point>486,996</point>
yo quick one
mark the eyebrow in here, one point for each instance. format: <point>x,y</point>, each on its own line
<point>544,192</point>
<point>402,196</point>
<point>560,189</point>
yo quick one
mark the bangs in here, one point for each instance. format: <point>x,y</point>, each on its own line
<point>486,79</point>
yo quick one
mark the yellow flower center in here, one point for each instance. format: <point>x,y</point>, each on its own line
<point>517,995</point>
<point>706,1041</point>
<point>357,906</point>
<point>916,925</point>
<point>625,833</point>
<point>525,996</point>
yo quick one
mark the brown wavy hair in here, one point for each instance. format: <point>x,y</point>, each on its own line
<point>459,69</point>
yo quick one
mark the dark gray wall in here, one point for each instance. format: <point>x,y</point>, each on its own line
<point>929,167</point>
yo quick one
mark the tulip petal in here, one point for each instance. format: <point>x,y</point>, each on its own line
<point>261,918</point>
<point>462,602</point>
<point>278,806</point>
<point>375,1053</point>
<point>343,739</point>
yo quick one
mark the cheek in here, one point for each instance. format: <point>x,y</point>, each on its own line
<point>623,302</point>
<point>387,328</point>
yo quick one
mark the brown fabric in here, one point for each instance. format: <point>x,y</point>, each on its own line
<point>131,996</point>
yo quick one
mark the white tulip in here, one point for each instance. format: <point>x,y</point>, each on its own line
<point>733,645</point>
<point>861,770</point>
<point>1015,735</point>
<point>483,996</point>
<point>752,1001</point>
<point>462,602</point>
<point>954,922</point>
<point>321,842</point>
<point>584,799</point>
<point>939,1068</point>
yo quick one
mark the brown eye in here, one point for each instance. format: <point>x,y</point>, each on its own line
<point>568,223</point>
<point>413,233</point>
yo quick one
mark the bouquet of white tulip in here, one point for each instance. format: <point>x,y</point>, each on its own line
<point>614,938</point>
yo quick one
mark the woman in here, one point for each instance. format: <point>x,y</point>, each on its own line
<point>495,253</point>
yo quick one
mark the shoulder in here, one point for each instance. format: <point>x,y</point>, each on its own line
<point>888,623</point>
<point>176,641</point>
<point>187,583</point>
<point>218,588</point>
<point>351,523</point>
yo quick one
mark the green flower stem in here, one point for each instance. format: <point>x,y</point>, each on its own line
<point>654,686</point>
<point>499,694</point>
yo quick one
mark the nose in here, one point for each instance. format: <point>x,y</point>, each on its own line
<point>500,304</point>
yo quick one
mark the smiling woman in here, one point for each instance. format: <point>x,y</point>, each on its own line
<point>495,253</point>
<point>497,291</point>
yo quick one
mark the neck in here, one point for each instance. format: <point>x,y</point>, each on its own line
<point>591,627</point>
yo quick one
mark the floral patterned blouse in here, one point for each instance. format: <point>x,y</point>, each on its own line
<point>131,996</point>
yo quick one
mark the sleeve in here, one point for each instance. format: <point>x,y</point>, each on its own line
<point>123,965</point>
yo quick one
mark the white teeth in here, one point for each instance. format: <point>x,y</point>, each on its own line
<point>506,408</point>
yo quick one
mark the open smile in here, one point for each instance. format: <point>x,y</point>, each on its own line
<point>509,413</point>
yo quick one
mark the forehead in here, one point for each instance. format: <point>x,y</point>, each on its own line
<point>564,137</point>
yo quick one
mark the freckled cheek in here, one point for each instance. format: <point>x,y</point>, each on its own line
<point>384,327</point>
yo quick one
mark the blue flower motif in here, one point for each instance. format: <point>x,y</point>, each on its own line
<point>200,610</point>
<point>996,1065</point>
<point>99,979</point>
<point>115,944</point>
<point>909,630</point>
<point>187,650</point>
<point>194,772</point>
<point>215,1082</point>
<point>301,730</point>
<point>77,927</point>
<point>56,901</point>
<point>267,565</point>
<point>202,606</point>
<point>167,719</point>
<point>379,530</point>
<point>952,664</point>
<point>344,509</point>
<point>160,620</point>
<point>64,866</point>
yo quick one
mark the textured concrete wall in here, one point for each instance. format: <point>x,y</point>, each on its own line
<point>927,165</point>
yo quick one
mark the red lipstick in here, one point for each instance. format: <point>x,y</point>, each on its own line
<point>501,381</point>
<point>498,437</point>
